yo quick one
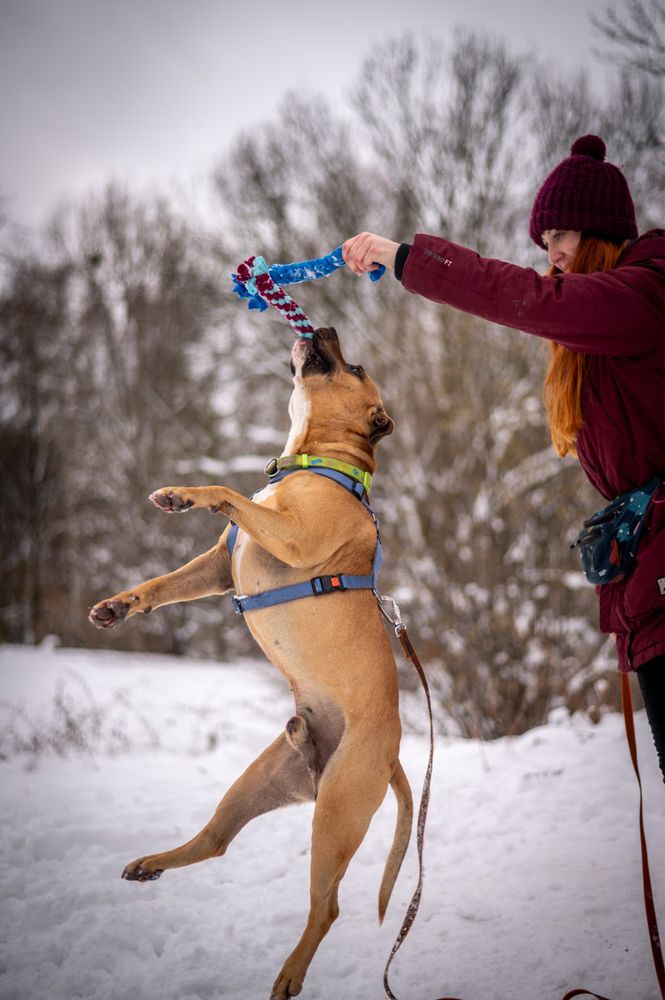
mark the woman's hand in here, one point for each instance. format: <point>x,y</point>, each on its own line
<point>363,252</point>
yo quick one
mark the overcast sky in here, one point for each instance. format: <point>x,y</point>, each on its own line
<point>153,90</point>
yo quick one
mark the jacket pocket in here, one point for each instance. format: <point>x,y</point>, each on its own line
<point>606,603</point>
<point>645,587</point>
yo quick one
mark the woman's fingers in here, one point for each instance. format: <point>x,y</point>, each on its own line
<point>363,252</point>
<point>353,254</point>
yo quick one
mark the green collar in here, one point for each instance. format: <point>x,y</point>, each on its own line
<point>276,465</point>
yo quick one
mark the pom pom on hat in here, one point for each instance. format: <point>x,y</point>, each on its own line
<point>589,145</point>
<point>585,193</point>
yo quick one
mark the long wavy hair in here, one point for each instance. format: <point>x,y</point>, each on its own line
<point>565,373</point>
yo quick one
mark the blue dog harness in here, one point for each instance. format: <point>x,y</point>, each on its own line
<point>354,482</point>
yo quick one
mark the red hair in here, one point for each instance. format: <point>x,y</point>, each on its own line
<point>565,373</point>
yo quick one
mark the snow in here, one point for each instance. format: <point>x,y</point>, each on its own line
<point>532,882</point>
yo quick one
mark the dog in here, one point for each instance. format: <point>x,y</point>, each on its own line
<point>341,747</point>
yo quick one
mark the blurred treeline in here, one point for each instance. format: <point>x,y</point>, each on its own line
<point>127,364</point>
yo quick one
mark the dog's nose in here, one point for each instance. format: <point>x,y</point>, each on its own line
<point>327,333</point>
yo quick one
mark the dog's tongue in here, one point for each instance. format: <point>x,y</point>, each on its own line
<point>300,351</point>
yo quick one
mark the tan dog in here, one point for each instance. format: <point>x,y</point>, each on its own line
<point>341,747</point>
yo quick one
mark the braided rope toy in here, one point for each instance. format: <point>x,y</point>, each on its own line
<point>262,285</point>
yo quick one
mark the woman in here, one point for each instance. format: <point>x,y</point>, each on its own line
<point>601,305</point>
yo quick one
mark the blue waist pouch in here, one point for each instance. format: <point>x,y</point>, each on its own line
<point>610,538</point>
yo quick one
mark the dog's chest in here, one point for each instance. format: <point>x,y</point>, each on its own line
<point>252,567</point>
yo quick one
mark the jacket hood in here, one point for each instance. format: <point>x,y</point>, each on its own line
<point>648,246</point>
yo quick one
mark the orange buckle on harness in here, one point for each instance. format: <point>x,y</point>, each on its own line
<point>326,584</point>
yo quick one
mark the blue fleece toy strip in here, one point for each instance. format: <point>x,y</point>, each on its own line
<point>293,274</point>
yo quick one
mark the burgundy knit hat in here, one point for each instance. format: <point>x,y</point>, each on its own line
<point>585,193</point>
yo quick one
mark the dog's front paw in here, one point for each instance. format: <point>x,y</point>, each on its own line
<point>136,872</point>
<point>172,500</point>
<point>108,614</point>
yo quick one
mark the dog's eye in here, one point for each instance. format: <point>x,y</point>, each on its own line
<point>356,370</point>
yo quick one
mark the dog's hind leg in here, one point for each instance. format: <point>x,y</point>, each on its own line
<point>278,777</point>
<point>352,788</point>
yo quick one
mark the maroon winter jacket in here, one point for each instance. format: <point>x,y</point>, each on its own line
<point>616,318</point>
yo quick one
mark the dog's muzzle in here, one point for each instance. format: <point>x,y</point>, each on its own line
<point>312,356</point>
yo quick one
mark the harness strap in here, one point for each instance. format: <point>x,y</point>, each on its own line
<point>308,588</point>
<point>358,489</point>
<point>232,538</point>
<point>293,462</point>
<point>319,584</point>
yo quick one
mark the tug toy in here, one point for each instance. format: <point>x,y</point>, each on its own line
<point>262,285</point>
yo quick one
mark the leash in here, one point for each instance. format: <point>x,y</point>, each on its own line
<point>412,910</point>
<point>261,284</point>
<point>649,906</point>
<point>650,909</point>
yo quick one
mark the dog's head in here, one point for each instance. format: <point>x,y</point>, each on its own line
<point>333,401</point>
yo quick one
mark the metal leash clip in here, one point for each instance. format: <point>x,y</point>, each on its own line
<point>396,618</point>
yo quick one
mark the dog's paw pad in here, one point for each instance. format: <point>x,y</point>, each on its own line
<point>108,614</point>
<point>170,502</point>
<point>141,874</point>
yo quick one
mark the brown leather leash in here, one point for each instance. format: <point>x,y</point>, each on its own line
<point>412,656</point>
<point>627,707</point>
<point>652,922</point>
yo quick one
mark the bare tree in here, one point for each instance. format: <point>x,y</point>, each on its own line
<point>110,358</point>
<point>628,115</point>
<point>443,128</point>
<point>127,363</point>
<point>637,36</point>
<point>30,456</point>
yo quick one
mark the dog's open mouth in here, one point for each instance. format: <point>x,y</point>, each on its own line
<point>309,357</point>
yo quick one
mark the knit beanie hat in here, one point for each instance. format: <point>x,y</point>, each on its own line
<point>585,193</point>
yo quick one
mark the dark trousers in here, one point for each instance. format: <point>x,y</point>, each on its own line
<point>651,676</point>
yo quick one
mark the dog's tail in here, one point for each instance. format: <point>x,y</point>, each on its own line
<point>400,786</point>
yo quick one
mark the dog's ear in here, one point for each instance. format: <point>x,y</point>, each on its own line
<point>380,424</point>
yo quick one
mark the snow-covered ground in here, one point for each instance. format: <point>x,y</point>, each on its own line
<point>532,882</point>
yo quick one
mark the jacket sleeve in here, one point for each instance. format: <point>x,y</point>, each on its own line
<point>618,312</point>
